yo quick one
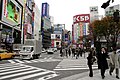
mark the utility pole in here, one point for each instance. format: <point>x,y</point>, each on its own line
<point>0,34</point>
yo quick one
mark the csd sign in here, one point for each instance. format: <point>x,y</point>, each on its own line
<point>81,18</point>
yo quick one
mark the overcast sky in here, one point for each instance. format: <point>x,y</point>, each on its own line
<point>64,10</point>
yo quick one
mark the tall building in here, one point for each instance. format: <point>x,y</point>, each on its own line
<point>11,21</point>
<point>57,36</point>
<point>37,23</point>
<point>94,13</point>
<point>29,20</point>
<point>110,10</point>
<point>46,26</point>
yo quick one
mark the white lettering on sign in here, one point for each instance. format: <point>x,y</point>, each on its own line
<point>81,18</point>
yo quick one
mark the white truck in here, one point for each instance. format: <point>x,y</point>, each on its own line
<point>31,49</point>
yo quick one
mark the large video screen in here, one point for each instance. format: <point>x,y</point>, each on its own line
<point>11,12</point>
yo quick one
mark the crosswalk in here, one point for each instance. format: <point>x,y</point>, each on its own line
<point>24,72</point>
<point>69,64</point>
<point>33,61</point>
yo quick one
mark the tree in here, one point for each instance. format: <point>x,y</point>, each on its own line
<point>107,28</point>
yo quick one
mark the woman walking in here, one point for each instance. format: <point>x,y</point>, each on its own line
<point>102,62</point>
<point>90,62</point>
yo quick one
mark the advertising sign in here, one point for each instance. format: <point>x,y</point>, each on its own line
<point>52,36</point>
<point>66,37</point>
<point>58,36</point>
<point>45,9</point>
<point>11,12</point>
<point>29,28</point>
<point>81,18</point>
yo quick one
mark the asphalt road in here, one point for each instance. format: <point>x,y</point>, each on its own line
<point>47,67</point>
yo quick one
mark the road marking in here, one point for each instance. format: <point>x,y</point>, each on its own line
<point>19,61</point>
<point>34,60</point>
<point>50,57</point>
<point>27,61</point>
<point>47,77</point>
<point>11,61</point>
<point>32,75</point>
<point>72,68</point>
<point>15,71</point>
<point>8,67</point>
<point>18,74</point>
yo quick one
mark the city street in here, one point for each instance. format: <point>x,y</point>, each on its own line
<point>47,67</point>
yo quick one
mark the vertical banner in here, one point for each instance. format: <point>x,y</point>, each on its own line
<point>81,28</point>
<point>84,29</point>
<point>52,43</point>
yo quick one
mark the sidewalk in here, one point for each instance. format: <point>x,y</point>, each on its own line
<point>96,76</point>
<point>85,75</point>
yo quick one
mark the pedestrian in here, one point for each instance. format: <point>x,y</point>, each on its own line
<point>77,53</point>
<point>114,63</point>
<point>69,51</point>
<point>66,52</point>
<point>73,52</point>
<point>102,61</point>
<point>90,62</point>
<point>61,52</point>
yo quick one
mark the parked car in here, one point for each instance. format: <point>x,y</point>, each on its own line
<point>6,55</point>
<point>50,51</point>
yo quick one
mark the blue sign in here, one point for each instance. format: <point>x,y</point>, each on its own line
<point>45,9</point>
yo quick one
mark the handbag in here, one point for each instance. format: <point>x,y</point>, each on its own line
<point>93,59</point>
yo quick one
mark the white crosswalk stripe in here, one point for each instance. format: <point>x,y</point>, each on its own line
<point>22,71</point>
<point>70,64</point>
<point>33,61</point>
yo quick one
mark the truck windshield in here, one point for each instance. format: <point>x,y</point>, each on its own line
<point>27,48</point>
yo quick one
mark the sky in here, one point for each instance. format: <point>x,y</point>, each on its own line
<point>64,10</point>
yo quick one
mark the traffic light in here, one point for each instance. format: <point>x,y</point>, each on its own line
<point>104,5</point>
<point>116,16</point>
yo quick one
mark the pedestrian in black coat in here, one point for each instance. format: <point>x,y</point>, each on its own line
<point>102,61</point>
<point>90,63</point>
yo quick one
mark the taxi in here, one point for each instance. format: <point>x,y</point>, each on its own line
<point>6,55</point>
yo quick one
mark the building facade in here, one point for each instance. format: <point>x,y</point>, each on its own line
<point>46,29</point>
<point>80,29</point>
<point>11,22</point>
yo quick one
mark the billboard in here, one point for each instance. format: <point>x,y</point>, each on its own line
<point>56,36</point>
<point>52,36</point>
<point>45,9</point>
<point>81,18</point>
<point>11,12</point>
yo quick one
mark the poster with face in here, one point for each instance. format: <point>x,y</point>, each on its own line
<point>57,36</point>
<point>11,12</point>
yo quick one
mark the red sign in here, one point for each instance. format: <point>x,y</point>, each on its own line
<point>81,18</point>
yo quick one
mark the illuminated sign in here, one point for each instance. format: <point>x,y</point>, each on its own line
<point>81,18</point>
<point>11,12</point>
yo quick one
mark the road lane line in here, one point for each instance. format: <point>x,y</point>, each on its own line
<point>15,71</point>
<point>32,75</point>
<point>19,61</point>
<point>11,61</point>
<point>47,77</point>
<point>18,74</point>
<point>27,61</point>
